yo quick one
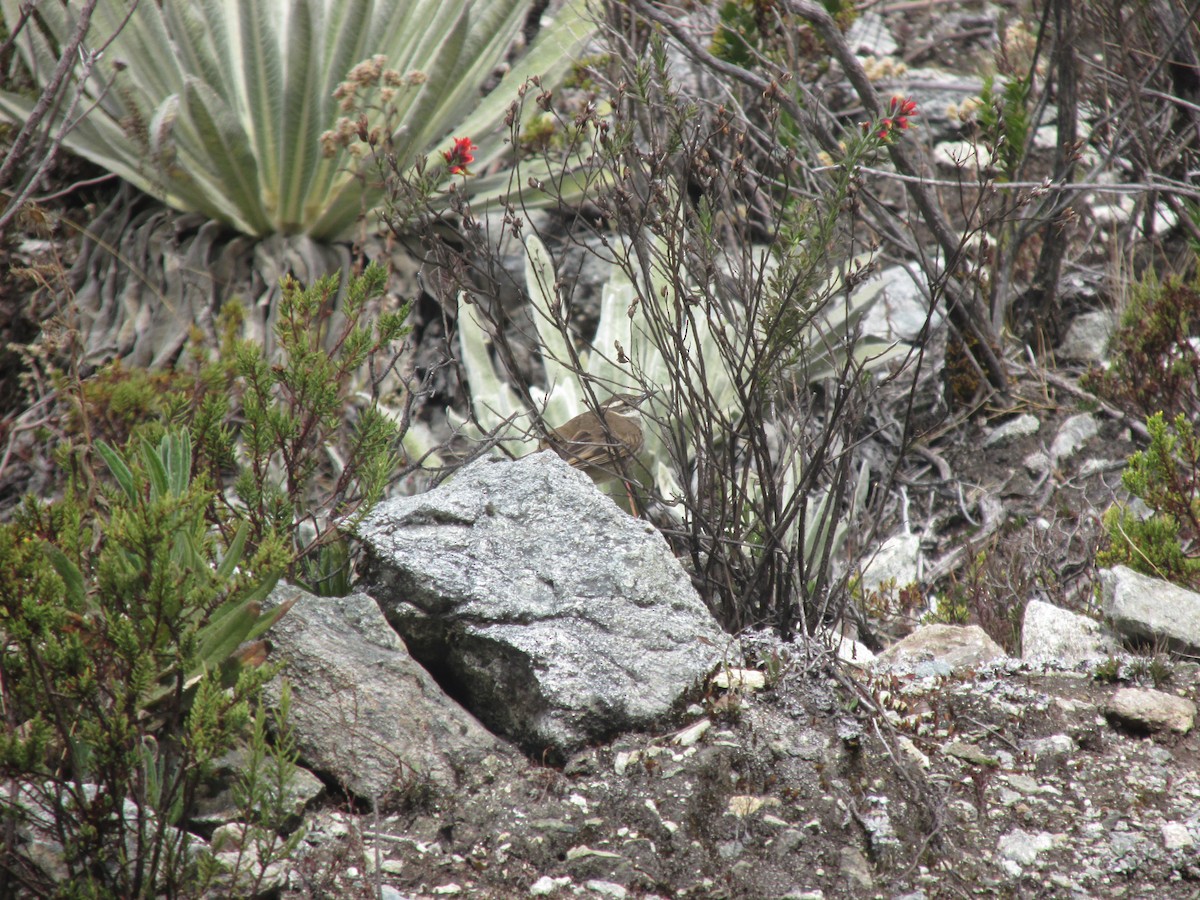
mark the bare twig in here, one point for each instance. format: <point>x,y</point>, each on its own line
<point>1071,387</point>
<point>963,309</point>
<point>23,146</point>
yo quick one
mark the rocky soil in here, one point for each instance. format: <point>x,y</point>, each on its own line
<point>1008,780</point>
<point>943,767</point>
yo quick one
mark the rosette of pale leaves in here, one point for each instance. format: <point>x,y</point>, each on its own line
<point>495,402</point>
<point>498,410</point>
<point>218,106</point>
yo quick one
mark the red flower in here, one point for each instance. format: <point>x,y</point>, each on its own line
<point>903,106</point>
<point>460,156</point>
<point>899,111</point>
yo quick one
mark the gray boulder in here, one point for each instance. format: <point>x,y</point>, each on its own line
<point>1147,710</point>
<point>1050,634</point>
<point>553,615</point>
<point>1149,609</point>
<point>1088,336</point>
<point>362,709</point>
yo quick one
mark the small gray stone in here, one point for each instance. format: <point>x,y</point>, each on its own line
<point>1176,836</point>
<point>956,647</point>
<point>787,842</point>
<point>1022,426</point>
<point>970,753</point>
<point>1049,747</point>
<point>546,886</point>
<point>728,850</point>
<point>1123,843</point>
<point>902,307</point>
<point>1073,434</point>
<point>1024,784</point>
<point>1087,336</point>
<point>1023,847</point>
<point>857,870</point>
<point>607,889</point>
<point>897,560</point>
<point>1037,462</point>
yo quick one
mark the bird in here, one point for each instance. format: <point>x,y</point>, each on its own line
<point>602,442</point>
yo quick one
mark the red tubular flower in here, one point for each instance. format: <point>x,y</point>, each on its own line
<point>460,156</point>
<point>900,110</point>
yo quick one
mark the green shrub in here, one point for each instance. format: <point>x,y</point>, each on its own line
<point>1155,362</point>
<point>128,665</point>
<point>1166,476</point>
<point>1005,121</point>
<point>293,413</point>
<point>263,796</point>
<point>130,612</point>
<point>304,448</point>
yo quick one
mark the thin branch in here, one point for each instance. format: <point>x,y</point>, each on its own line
<point>50,96</point>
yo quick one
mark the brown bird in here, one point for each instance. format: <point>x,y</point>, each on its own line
<point>601,442</point>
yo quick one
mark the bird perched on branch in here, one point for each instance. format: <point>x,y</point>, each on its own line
<point>602,442</point>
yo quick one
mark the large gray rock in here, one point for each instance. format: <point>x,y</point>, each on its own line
<point>1149,609</point>
<point>556,617</point>
<point>363,710</point>
<point>1050,634</point>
